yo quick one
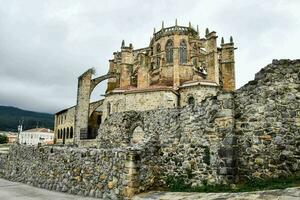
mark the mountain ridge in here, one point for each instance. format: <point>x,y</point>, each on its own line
<point>11,117</point>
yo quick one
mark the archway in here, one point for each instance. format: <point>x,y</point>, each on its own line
<point>137,135</point>
<point>86,85</point>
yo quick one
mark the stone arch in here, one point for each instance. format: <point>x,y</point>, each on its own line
<point>71,132</point>
<point>68,132</point>
<point>138,135</point>
<point>64,136</point>
<point>191,100</point>
<point>85,87</point>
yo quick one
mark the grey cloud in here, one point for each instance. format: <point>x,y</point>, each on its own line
<point>46,45</point>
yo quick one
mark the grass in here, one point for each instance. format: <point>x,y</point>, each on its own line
<point>254,184</point>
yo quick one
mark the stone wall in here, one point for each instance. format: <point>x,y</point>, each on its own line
<point>3,161</point>
<point>192,143</point>
<point>139,100</point>
<point>103,173</point>
<point>252,132</point>
<point>268,121</point>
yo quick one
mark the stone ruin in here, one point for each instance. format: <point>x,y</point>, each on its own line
<point>200,130</point>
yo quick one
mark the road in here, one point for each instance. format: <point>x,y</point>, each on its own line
<point>19,191</point>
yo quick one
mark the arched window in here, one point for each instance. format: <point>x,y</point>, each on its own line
<point>169,51</point>
<point>64,133</point>
<point>183,52</point>
<point>191,100</point>
<point>58,134</point>
<point>68,132</point>
<point>71,132</point>
<point>137,135</point>
<point>158,49</point>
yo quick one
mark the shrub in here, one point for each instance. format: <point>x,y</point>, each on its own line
<point>3,139</point>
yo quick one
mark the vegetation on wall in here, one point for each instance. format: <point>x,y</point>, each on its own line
<point>3,139</point>
<point>10,117</point>
<point>254,184</point>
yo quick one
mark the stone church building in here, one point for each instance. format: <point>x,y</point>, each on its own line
<point>179,67</point>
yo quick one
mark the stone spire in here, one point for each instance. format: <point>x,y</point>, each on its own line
<point>162,25</point>
<point>123,44</point>
<point>207,31</point>
<point>222,40</point>
<point>231,39</point>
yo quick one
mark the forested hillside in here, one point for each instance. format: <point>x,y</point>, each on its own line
<point>10,117</point>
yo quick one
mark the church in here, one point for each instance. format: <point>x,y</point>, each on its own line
<point>178,68</point>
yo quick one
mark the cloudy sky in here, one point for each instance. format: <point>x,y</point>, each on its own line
<point>45,45</point>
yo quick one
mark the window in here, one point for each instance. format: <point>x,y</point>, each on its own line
<point>108,108</point>
<point>137,135</point>
<point>183,52</point>
<point>157,62</point>
<point>191,100</point>
<point>158,48</point>
<point>68,131</point>
<point>71,132</point>
<point>169,51</point>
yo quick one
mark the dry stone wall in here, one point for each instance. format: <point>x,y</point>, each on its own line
<point>268,121</point>
<point>102,173</point>
<point>252,132</point>
<point>193,143</point>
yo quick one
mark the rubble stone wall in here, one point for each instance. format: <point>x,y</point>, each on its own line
<point>103,173</point>
<point>3,161</point>
<point>268,121</point>
<point>193,143</point>
<point>252,132</point>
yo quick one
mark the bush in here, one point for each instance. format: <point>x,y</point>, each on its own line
<point>178,185</point>
<point>3,139</point>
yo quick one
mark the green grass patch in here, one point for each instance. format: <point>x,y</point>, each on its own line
<point>254,184</point>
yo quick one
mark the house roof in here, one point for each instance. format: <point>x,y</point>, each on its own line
<point>43,130</point>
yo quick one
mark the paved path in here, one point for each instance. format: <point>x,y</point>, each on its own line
<point>286,194</point>
<point>19,191</point>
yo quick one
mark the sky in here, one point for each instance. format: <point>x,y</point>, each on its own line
<point>45,45</point>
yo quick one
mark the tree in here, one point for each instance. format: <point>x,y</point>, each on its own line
<point>3,139</point>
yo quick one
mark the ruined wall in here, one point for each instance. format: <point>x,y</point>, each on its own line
<point>193,143</point>
<point>252,132</point>
<point>3,161</point>
<point>102,173</point>
<point>268,121</point>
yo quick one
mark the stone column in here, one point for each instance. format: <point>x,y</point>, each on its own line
<point>82,107</point>
<point>131,175</point>
<point>228,149</point>
<point>212,57</point>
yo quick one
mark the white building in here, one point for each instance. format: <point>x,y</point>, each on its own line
<point>37,135</point>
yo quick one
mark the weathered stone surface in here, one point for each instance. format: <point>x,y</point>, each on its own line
<point>253,132</point>
<point>288,194</point>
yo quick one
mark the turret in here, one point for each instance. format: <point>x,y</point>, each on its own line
<point>126,61</point>
<point>212,56</point>
<point>227,65</point>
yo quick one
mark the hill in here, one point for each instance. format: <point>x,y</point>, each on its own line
<point>11,116</point>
